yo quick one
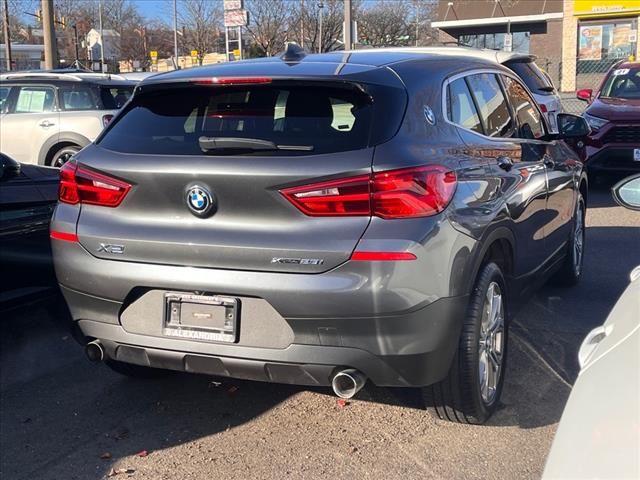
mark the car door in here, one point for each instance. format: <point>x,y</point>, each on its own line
<point>32,118</point>
<point>560,162</point>
<point>27,200</point>
<point>517,169</point>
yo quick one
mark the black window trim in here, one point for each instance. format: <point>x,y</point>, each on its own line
<point>444,99</point>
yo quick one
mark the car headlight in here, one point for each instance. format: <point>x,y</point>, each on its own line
<point>596,123</point>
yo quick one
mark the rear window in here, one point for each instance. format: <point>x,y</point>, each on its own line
<point>304,119</point>
<point>114,98</point>
<point>534,78</point>
<point>622,83</point>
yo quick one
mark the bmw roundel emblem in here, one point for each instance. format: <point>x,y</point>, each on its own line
<point>200,201</point>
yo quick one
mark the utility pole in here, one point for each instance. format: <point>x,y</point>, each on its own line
<point>50,46</point>
<point>101,37</point>
<point>321,8</point>
<point>175,31</point>
<point>75,40</point>
<point>348,31</point>
<point>7,36</point>
<point>302,23</point>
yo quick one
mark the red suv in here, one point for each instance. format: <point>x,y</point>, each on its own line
<point>614,116</point>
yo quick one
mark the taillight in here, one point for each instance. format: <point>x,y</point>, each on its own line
<point>106,119</point>
<point>403,193</point>
<point>543,108</point>
<point>79,185</point>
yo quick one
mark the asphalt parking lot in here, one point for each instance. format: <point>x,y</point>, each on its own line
<point>59,414</point>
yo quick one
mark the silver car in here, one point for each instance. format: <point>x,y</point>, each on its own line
<point>321,220</point>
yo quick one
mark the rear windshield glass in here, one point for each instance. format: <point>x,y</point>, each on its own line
<point>301,119</point>
<point>114,98</point>
<point>533,77</point>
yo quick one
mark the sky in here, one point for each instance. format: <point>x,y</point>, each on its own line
<point>160,9</point>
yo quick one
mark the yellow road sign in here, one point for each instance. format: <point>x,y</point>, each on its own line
<point>194,53</point>
<point>236,53</point>
<point>153,54</point>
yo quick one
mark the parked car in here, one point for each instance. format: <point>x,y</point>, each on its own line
<point>599,433</point>
<point>321,220</point>
<point>614,116</point>
<point>28,195</point>
<point>47,117</point>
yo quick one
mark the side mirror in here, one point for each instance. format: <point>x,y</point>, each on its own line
<point>627,193</point>
<point>584,94</point>
<point>572,126</point>
<point>8,167</point>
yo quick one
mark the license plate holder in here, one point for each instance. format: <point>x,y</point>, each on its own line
<point>636,154</point>
<point>212,318</point>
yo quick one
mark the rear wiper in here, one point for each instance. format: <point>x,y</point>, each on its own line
<point>209,144</point>
<point>549,89</point>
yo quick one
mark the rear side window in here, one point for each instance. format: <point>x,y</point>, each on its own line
<point>494,111</point>
<point>529,118</point>
<point>78,98</point>
<point>461,109</point>
<point>35,100</point>
<point>311,119</point>
<point>534,78</point>
<point>114,98</point>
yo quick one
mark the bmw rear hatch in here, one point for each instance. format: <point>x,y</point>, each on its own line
<point>204,165</point>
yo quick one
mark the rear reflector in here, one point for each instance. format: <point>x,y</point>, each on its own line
<point>382,256</point>
<point>543,107</point>
<point>79,185</point>
<point>403,193</point>
<point>231,80</point>
<point>67,237</point>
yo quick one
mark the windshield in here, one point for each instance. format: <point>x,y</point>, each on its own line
<point>180,121</point>
<point>622,83</point>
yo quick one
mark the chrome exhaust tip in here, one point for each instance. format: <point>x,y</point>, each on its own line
<point>347,383</point>
<point>94,351</point>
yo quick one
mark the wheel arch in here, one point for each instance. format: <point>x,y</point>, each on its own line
<point>56,142</point>
<point>497,246</point>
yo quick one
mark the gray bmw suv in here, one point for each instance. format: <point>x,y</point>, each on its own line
<point>322,220</point>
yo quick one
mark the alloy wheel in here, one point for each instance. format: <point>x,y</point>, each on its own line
<point>491,343</point>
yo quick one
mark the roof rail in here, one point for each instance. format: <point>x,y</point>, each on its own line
<point>76,76</point>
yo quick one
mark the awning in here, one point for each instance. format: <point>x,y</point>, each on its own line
<point>474,22</point>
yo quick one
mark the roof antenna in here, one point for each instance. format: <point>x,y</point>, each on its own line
<point>293,52</point>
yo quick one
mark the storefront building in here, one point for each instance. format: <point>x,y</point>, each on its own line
<point>597,34</point>
<point>534,27</point>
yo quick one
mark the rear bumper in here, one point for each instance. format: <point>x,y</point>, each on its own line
<point>421,364</point>
<point>376,317</point>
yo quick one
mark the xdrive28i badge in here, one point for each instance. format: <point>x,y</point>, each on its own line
<point>200,201</point>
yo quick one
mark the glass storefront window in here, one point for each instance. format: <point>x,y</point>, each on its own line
<point>495,41</point>
<point>602,43</point>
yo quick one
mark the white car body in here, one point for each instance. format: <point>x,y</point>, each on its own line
<point>33,136</point>
<point>599,433</point>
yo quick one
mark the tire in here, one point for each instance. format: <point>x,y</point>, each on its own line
<point>135,371</point>
<point>571,270</point>
<point>466,396</point>
<point>63,155</point>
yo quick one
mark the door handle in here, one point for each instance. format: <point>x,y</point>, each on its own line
<point>46,123</point>
<point>504,163</point>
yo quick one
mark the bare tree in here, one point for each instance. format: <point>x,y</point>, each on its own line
<point>202,20</point>
<point>269,23</point>
<point>308,16</point>
<point>386,23</point>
